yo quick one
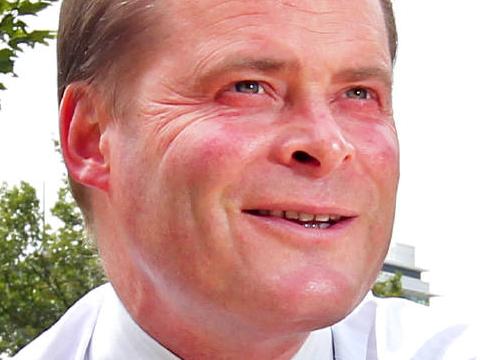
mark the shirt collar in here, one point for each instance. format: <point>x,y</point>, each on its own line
<point>355,336</point>
<point>318,346</point>
<point>117,336</point>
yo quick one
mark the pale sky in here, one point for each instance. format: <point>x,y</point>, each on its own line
<point>437,80</point>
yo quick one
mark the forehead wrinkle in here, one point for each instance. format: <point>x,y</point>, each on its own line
<point>235,23</point>
<point>291,5</point>
<point>331,27</point>
<point>220,5</point>
<point>221,12</point>
<point>328,17</point>
<point>265,64</point>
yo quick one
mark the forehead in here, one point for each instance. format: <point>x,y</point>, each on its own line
<point>310,26</point>
<point>328,16</point>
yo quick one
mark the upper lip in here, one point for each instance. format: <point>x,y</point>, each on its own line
<point>331,211</point>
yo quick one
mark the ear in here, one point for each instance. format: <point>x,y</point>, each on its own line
<point>83,124</point>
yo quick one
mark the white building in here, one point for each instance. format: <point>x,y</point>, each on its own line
<point>401,258</point>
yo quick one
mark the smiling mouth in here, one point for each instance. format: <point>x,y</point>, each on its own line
<point>309,221</point>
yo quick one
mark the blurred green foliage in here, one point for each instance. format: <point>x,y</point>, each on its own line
<point>43,270</point>
<point>14,31</point>
<point>392,287</point>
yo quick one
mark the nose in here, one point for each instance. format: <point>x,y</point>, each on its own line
<point>315,147</point>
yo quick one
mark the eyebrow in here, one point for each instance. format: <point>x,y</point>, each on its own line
<point>266,65</point>
<point>365,73</point>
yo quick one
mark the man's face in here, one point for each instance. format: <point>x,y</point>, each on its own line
<point>254,172</point>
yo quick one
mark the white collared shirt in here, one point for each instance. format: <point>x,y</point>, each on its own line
<point>117,336</point>
<point>99,328</point>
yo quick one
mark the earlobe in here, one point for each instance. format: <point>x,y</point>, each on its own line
<point>83,127</point>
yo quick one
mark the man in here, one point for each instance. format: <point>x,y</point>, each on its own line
<point>237,165</point>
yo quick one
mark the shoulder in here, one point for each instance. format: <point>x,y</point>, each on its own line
<point>69,337</point>
<point>401,329</point>
<point>423,331</point>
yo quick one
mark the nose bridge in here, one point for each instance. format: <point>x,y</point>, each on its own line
<point>314,142</point>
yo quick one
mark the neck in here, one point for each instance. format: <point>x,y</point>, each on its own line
<point>205,335</point>
<point>209,337</point>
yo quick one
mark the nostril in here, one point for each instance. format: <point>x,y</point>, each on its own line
<point>305,158</point>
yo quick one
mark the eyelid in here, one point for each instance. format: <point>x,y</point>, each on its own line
<point>268,89</point>
<point>372,94</point>
<point>375,94</point>
<point>273,93</point>
<point>261,85</point>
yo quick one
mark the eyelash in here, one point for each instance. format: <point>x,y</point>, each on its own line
<point>253,87</point>
<point>370,94</point>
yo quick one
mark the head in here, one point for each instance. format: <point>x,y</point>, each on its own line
<point>239,156</point>
<point>97,46</point>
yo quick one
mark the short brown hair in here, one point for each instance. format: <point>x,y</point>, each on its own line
<point>391,27</point>
<point>94,36</point>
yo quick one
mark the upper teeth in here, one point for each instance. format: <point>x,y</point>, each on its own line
<point>301,216</point>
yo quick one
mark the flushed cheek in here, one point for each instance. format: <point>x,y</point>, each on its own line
<point>378,161</point>
<point>191,178</point>
<point>378,157</point>
<point>377,151</point>
<point>210,158</point>
<point>212,154</point>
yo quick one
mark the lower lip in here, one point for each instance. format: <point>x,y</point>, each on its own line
<point>293,232</point>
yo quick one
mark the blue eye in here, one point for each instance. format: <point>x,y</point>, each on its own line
<point>249,87</point>
<point>358,93</point>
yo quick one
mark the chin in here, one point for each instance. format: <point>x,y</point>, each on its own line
<point>339,306</point>
<point>307,305</point>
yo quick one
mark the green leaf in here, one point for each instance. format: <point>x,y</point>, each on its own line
<point>6,6</point>
<point>14,32</point>
<point>29,8</point>
<point>6,61</point>
<point>31,39</point>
